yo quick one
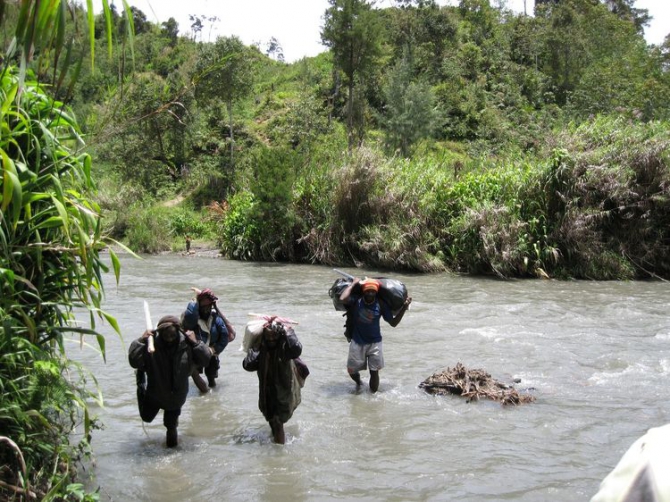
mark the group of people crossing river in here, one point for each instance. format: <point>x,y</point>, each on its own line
<point>185,347</point>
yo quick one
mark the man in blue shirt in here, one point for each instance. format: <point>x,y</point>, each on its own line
<point>365,348</point>
<point>210,326</point>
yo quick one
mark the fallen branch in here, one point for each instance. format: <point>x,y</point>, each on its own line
<point>473,385</point>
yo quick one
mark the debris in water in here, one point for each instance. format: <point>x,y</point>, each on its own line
<point>472,384</point>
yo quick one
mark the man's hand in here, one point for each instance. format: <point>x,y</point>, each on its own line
<point>190,335</point>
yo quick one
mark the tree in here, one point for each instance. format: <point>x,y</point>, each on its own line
<point>409,110</point>
<point>565,49</point>
<point>225,73</point>
<point>170,29</point>
<point>353,32</point>
<point>274,50</point>
<point>625,9</point>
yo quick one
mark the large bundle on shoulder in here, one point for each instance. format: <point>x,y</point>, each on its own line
<point>252,334</point>
<point>391,291</point>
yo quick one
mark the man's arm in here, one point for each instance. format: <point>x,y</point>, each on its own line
<point>137,350</point>
<point>346,294</point>
<point>251,362</point>
<point>223,338</point>
<point>292,346</point>
<point>229,327</point>
<point>190,316</point>
<point>394,321</point>
<point>201,353</point>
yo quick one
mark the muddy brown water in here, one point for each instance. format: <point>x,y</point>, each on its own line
<point>597,355</point>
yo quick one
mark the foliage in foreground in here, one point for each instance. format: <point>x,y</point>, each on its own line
<point>50,263</point>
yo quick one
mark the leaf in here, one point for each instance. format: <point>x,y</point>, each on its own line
<point>12,191</point>
<point>112,321</point>
<point>51,222</point>
<point>91,31</point>
<point>63,214</point>
<point>102,342</point>
<point>108,23</point>
<point>116,265</point>
<point>131,29</point>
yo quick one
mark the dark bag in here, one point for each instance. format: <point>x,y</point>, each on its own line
<point>392,291</point>
<point>301,370</point>
<point>336,290</point>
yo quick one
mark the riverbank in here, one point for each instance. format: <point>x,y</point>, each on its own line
<point>201,250</point>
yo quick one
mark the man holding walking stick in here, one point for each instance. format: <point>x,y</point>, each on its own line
<point>167,369</point>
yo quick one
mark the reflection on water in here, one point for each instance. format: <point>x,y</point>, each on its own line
<point>596,353</point>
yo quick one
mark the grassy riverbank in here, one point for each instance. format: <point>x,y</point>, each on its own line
<point>591,202</point>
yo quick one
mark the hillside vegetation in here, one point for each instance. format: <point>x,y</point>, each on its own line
<point>464,138</point>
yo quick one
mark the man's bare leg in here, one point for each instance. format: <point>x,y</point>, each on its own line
<point>374,381</point>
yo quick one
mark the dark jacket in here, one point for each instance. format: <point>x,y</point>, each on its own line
<point>218,336</point>
<point>168,369</point>
<point>278,386</point>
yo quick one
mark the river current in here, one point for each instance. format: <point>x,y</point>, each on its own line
<point>595,354</point>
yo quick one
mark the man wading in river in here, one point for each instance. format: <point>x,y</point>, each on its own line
<point>167,369</point>
<point>365,348</point>
<point>281,373</point>
<point>210,326</point>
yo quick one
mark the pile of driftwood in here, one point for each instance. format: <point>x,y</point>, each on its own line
<point>472,384</point>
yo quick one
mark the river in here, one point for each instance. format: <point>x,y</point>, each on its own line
<point>596,354</point>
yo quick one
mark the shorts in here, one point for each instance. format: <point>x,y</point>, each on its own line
<point>362,356</point>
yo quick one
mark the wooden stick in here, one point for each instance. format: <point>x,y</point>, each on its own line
<point>151,348</point>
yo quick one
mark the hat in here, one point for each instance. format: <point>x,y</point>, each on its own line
<point>207,294</point>
<point>370,285</point>
<point>167,321</point>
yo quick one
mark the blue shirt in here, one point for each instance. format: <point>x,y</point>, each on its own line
<point>367,319</point>
<point>218,336</point>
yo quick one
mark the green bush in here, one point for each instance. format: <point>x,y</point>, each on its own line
<point>149,229</point>
<point>184,221</point>
<point>239,234</point>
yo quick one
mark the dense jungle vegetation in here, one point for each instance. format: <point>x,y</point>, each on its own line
<point>427,138</point>
<point>465,138</point>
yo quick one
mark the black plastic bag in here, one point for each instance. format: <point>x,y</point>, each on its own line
<point>392,291</point>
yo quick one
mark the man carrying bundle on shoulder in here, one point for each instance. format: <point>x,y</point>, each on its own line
<point>366,311</point>
<point>203,317</point>
<point>274,353</point>
<point>167,369</point>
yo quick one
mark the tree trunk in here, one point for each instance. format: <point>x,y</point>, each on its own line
<point>229,105</point>
<point>350,115</point>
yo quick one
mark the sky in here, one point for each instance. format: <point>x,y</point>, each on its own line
<point>297,24</point>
